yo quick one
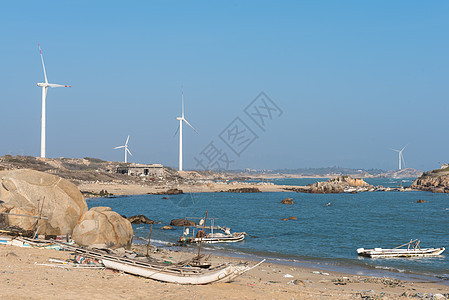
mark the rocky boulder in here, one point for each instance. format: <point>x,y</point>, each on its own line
<point>36,193</point>
<point>287,201</point>
<point>174,192</point>
<point>182,222</point>
<point>336,185</point>
<point>140,219</point>
<point>102,228</point>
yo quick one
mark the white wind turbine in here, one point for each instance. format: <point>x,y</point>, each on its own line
<point>45,85</point>
<point>401,156</point>
<point>182,119</point>
<point>126,149</point>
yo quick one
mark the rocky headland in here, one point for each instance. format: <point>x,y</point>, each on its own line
<point>436,181</point>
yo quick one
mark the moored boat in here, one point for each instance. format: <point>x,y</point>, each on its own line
<point>413,250</point>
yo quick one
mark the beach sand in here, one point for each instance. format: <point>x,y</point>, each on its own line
<point>23,278</point>
<point>139,189</point>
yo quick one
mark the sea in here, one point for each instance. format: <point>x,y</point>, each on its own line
<point>322,237</point>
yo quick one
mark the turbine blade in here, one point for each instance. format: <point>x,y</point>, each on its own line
<point>395,150</point>
<point>119,147</point>
<point>52,85</point>
<point>182,102</point>
<point>404,148</point>
<point>129,151</point>
<point>177,130</point>
<point>43,65</point>
<point>403,159</point>
<point>190,125</point>
<point>127,140</point>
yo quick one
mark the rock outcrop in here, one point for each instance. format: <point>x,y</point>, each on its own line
<point>244,190</point>
<point>174,192</point>
<point>139,219</point>
<point>340,184</point>
<point>102,228</point>
<point>36,193</point>
<point>287,201</point>
<point>182,222</point>
<point>436,181</point>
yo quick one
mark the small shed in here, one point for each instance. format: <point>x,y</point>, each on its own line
<point>141,170</point>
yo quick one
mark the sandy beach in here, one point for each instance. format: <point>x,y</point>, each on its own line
<point>139,189</point>
<point>24,278</point>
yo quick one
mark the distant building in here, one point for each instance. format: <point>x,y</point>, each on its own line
<point>444,166</point>
<point>142,170</point>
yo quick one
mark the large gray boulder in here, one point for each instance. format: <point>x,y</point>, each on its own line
<point>102,228</point>
<point>22,191</point>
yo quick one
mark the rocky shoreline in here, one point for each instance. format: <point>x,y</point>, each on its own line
<point>436,181</point>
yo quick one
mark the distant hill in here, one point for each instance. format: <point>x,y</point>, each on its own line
<point>403,173</point>
<point>73,169</point>
<point>322,172</point>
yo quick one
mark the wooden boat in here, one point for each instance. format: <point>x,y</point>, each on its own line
<point>212,237</point>
<point>185,275</point>
<point>413,249</point>
<point>173,273</point>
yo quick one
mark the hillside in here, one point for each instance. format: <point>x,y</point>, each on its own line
<point>75,169</point>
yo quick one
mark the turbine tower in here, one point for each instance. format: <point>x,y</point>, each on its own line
<point>45,85</point>
<point>182,119</point>
<point>126,149</point>
<point>401,157</point>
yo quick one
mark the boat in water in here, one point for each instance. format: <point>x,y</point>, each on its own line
<point>413,250</point>
<point>212,237</point>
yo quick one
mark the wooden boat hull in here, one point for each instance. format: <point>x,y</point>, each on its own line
<point>384,253</point>
<point>222,273</point>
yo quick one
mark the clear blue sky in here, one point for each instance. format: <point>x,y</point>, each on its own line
<point>353,79</point>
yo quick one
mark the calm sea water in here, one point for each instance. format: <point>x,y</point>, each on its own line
<point>323,235</point>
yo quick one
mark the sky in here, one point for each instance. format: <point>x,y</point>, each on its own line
<point>342,82</point>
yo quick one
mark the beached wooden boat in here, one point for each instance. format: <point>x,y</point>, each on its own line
<point>185,275</point>
<point>174,273</point>
<point>413,250</point>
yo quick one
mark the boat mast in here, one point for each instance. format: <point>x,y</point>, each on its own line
<point>201,240</point>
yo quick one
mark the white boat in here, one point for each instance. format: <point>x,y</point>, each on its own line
<point>212,237</point>
<point>413,250</point>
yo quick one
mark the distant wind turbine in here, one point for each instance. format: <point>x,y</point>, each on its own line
<point>45,85</point>
<point>182,119</point>
<point>401,156</point>
<point>126,149</point>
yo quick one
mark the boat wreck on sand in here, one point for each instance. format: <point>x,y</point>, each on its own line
<point>413,250</point>
<point>187,272</point>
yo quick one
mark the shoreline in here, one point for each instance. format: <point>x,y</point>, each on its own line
<point>327,265</point>
<point>26,273</point>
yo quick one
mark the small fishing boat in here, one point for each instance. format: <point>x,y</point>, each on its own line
<point>182,273</point>
<point>212,237</point>
<point>413,250</point>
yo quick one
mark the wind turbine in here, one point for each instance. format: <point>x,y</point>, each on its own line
<point>401,157</point>
<point>45,85</point>
<point>126,149</point>
<point>182,119</point>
